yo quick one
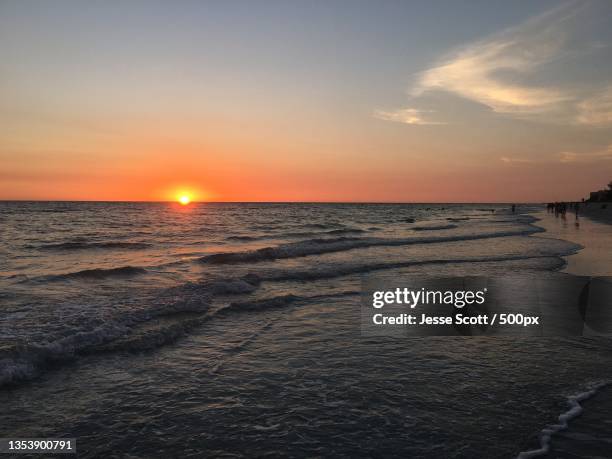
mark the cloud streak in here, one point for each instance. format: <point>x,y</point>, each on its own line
<point>406,116</point>
<point>495,72</point>
<point>511,160</point>
<point>564,157</point>
<point>589,157</point>
<point>596,110</point>
<point>512,72</point>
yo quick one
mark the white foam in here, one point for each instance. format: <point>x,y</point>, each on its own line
<point>26,361</point>
<point>575,409</point>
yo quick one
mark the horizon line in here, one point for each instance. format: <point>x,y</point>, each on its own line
<point>273,202</point>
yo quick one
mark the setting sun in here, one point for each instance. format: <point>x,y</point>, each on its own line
<point>182,194</point>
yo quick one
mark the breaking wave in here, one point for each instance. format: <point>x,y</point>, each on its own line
<point>178,310</point>
<point>161,318</point>
<point>321,246</point>
<point>27,360</point>
<point>175,313</point>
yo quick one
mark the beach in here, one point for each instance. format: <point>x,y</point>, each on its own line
<point>587,434</point>
<point>591,230</point>
<point>597,211</point>
<point>230,329</point>
<point>306,229</point>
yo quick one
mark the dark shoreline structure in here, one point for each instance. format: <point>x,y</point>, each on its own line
<point>601,195</point>
<point>599,205</point>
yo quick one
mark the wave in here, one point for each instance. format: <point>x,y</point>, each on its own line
<point>176,312</point>
<point>346,270</point>
<point>251,282</point>
<point>242,238</point>
<point>154,334</point>
<point>172,314</point>
<point>321,225</point>
<point>95,245</point>
<point>98,273</point>
<point>245,284</point>
<point>329,245</point>
<point>345,231</point>
<point>433,227</point>
<point>296,234</point>
<point>179,309</point>
<point>575,409</point>
<point>333,232</point>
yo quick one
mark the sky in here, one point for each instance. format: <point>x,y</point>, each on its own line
<point>387,101</point>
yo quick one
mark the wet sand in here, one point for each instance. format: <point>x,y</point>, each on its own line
<point>595,259</point>
<point>598,211</point>
<point>590,434</point>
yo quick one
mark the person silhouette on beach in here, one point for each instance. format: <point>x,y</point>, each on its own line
<point>577,209</point>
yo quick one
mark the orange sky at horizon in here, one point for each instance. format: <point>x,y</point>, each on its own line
<point>115,102</point>
<point>138,164</point>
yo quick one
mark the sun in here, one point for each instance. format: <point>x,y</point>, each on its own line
<point>184,196</point>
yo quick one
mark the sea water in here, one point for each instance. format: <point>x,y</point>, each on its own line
<point>155,329</point>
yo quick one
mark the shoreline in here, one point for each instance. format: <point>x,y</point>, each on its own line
<point>592,230</point>
<point>598,211</point>
<point>559,429</point>
<point>586,433</point>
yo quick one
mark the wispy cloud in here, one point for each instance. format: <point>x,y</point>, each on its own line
<point>516,72</point>
<point>565,157</point>
<point>597,109</point>
<point>495,71</point>
<point>589,157</point>
<point>406,116</point>
<point>511,160</point>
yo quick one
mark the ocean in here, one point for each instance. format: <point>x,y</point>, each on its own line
<point>228,329</point>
